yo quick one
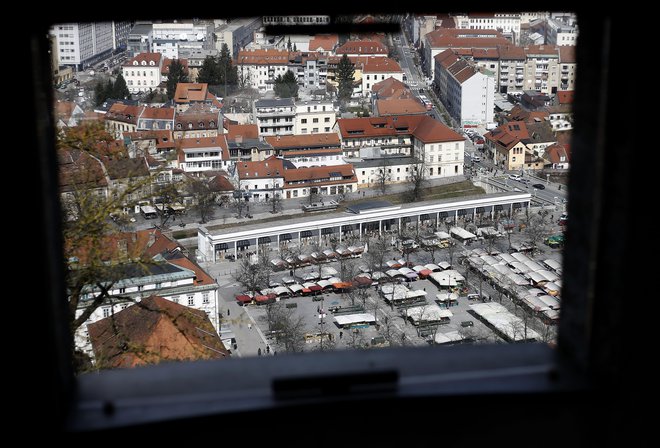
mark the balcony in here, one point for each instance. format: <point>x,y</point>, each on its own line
<point>274,113</point>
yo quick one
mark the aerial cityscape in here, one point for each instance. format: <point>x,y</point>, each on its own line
<point>227,192</point>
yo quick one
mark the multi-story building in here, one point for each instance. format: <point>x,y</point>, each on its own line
<point>466,89</point>
<point>120,33</point>
<point>195,57</point>
<point>321,180</point>
<point>567,67</point>
<point>542,68</point>
<point>156,118</point>
<point>166,37</point>
<point>260,181</point>
<point>259,68</point>
<point>440,40</point>
<point>308,150</point>
<point>245,145</point>
<point>198,121</point>
<point>172,275</point>
<point>311,69</point>
<point>374,169</point>
<point>507,23</point>
<point>143,72</point>
<point>324,44</point>
<point>82,45</point>
<point>419,136</point>
<point>313,117</point>
<point>196,155</point>
<point>237,34</point>
<point>188,94</point>
<point>512,68</point>
<point>139,38</point>
<point>377,69</point>
<point>122,118</point>
<point>561,32</point>
<point>275,117</point>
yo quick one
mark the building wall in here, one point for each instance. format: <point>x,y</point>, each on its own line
<point>542,73</point>
<point>260,188</point>
<point>83,44</point>
<point>309,161</point>
<point>117,128</point>
<point>369,79</point>
<point>513,159</point>
<point>478,100</point>
<point>197,160</point>
<point>369,176</point>
<point>181,295</point>
<point>142,78</point>
<point>567,72</point>
<point>441,159</point>
<point>323,190</point>
<point>276,121</point>
<point>511,75</point>
<point>314,117</point>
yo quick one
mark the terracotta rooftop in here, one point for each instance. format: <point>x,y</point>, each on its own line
<point>391,88</point>
<point>272,167</point>
<point>318,173</point>
<point>78,169</point>
<point>546,50</point>
<point>165,70</point>
<point>400,107</point>
<point>362,47</point>
<point>567,54</point>
<point>152,331</point>
<point>264,57</point>
<point>376,64</point>
<point>421,127</point>
<point>324,140</point>
<point>126,168</point>
<point>187,92</point>
<point>325,42</point>
<point>149,59</point>
<point>246,131</point>
<point>124,113</point>
<point>158,113</point>
<point>565,96</point>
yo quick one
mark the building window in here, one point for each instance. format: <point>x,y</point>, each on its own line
<point>106,312</point>
<point>315,129</point>
<point>191,300</point>
<point>140,287</point>
<point>327,119</point>
<point>175,299</point>
<point>122,290</point>
<point>205,298</point>
<point>315,120</point>
<point>327,129</point>
<point>303,121</point>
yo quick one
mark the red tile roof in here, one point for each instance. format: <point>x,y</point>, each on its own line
<point>547,50</point>
<point>363,47</point>
<point>511,52</point>
<point>325,42</point>
<point>391,88</point>
<point>565,96</point>
<point>187,92</point>
<point>220,184</point>
<point>124,113</point>
<point>555,152</point>
<point>309,152</point>
<point>144,57</point>
<point>163,138</point>
<point>264,57</point>
<point>406,106</point>
<point>269,168</point>
<point>509,134</point>
<point>79,169</point>
<point>422,127</point>
<point>308,175</point>
<point>324,140</point>
<point>201,277</point>
<point>567,54</point>
<point>64,109</point>
<point>152,331</point>
<point>158,113</point>
<point>205,142</point>
<point>165,70</point>
<point>375,64</point>
<point>250,131</point>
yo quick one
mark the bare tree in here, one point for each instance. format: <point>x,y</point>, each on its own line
<point>377,253</point>
<point>166,196</point>
<point>383,177</point>
<point>204,198</point>
<point>263,260</point>
<point>430,247</point>
<point>290,253</point>
<point>537,226</point>
<point>355,339</point>
<point>238,203</point>
<point>417,180</point>
<point>289,330</point>
<point>251,276</point>
<point>275,199</point>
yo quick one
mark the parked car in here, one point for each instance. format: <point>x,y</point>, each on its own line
<point>514,177</point>
<point>539,186</point>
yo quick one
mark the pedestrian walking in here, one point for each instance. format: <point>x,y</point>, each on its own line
<point>249,326</point>
<point>228,311</point>
<point>268,349</point>
<point>341,334</point>
<point>259,351</point>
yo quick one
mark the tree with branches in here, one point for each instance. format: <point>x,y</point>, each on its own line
<point>417,180</point>
<point>251,276</point>
<point>175,75</point>
<point>289,328</point>
<point>345,74</point>
<point>286,86</point>
<point>204,198</point>
<point>383,177</point>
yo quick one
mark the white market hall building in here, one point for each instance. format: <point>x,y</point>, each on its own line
<point>213,246</point>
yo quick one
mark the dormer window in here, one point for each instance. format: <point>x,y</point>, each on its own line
<point>152,63</point>
<point>201,124</point>
<point>211,124</point>
<point>135,62</point>
<point>144,62</point>
<point>189,125</point>
<point>178,125</point>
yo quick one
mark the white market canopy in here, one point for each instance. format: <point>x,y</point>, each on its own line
<point>553,264</point>
<point>427,313</point>
<point>506,323</point>
<point>461,233</point>
<point>352,319</point>
<point>449,277</point>
<point>445,296</point>
<point>450,336</point>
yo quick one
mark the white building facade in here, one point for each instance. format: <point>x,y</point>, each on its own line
<point>313,117</point>
<point>166,37</point>
<point>143,72</point>
<point>275,117</point>
<point>83,44</point>
<point>204,154</point>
